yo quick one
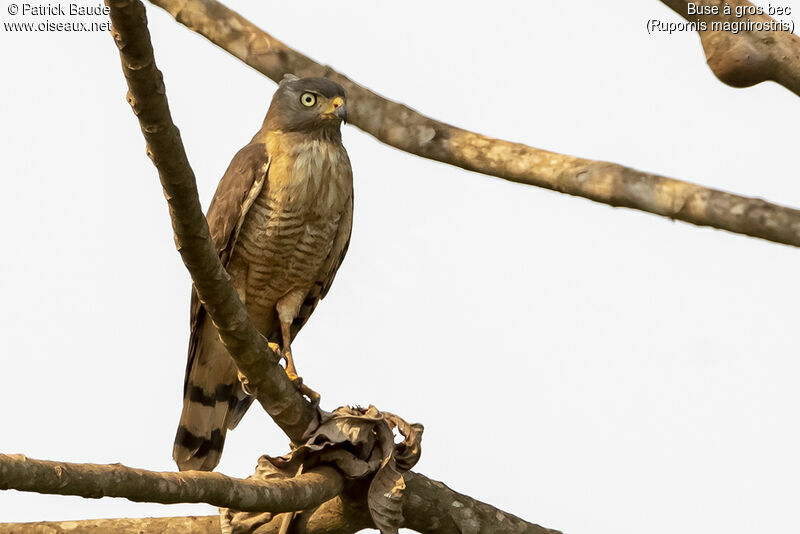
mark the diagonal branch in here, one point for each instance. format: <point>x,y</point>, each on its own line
<point>745,58</point>
<point>116,480</point>
<point>410,131</point>
<point>430,506</point>
<point>247,346</point>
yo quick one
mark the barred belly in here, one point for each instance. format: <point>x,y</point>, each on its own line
<point>288,232</point>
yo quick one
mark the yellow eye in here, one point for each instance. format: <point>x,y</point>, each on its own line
<point>308,99</point>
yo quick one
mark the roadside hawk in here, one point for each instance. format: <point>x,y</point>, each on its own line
<point>281,221</point>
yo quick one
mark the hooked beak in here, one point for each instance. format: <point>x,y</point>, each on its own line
<point>338,110</point>
<point>341,113</point>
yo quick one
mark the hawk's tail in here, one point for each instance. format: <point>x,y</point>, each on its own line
<point>213,402</point>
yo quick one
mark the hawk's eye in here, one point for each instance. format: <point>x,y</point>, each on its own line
<point>308,99</point>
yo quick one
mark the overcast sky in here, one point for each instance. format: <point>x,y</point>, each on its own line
<point>591,369</point>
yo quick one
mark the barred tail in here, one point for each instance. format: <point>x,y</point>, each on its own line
<point>213,402</point>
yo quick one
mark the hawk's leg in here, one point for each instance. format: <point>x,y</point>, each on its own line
<point>286,334</point>
<point>288,307</point>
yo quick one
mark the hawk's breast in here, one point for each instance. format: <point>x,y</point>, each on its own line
<point>291,226</point>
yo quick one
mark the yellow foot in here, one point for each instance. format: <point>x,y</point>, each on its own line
<point>312,395</point>
<point>274,347</point>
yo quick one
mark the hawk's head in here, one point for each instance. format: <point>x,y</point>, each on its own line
<point>306,104</point>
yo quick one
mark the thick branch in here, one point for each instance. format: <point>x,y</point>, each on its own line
<point>428,506</point>
<point>335,516</point>
<point>247,346</point>
<point>326,520</point>
<point>207,524</point>
<point>408,130</point>
<point>95,481</point>
<point>749,57</point>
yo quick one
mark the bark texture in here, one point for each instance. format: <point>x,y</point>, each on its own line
<point>746,58</point>
<point>147,96</point>
<point>331,518</point>
<point>208,524</point>
<point>95,481</point>
<point>410,131</point>
<point>429,506</point>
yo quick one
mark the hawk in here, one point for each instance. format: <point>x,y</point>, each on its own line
<point>280,219</point>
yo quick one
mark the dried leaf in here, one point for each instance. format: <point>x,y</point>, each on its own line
<point>360,443</point>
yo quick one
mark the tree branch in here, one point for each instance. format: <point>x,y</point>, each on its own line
<point>745,58</point>
<point>116,480</point>
<point>330,518</point>
<point>410,131</point>
<point>429,506</point>
<point>147,96</point>
<point>207,524</point>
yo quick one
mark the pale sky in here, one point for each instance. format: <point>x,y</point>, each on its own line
<point>594,370</point>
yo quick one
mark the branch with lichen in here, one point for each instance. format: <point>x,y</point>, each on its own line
<point>410,131</point>
<point>744,58</point>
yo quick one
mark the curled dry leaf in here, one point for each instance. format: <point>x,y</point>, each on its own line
<point>360,443</point>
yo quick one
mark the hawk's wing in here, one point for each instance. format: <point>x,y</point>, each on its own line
<point>237,190</point>
<point>339,249</point>
<point>239,187</point>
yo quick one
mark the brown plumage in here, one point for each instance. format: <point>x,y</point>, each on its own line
<point>281,220</point>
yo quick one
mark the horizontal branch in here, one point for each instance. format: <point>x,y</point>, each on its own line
<point>428,505</point>
<point>208,524</point>
<point>147,96</point>
<point>116,480</point>
<point>205,524</point>
<point>410,131</point>
<point>336,516</point>
<point>745,58</point>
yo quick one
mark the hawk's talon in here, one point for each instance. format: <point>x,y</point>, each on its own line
<point>274,347</point>
<point>312,395</point>
<point>296,380</point>
<point>244,383</point>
